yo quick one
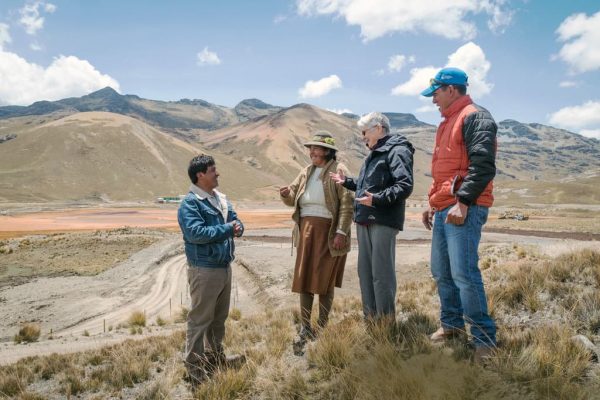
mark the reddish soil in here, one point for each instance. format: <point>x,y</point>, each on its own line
<point>93,219</point>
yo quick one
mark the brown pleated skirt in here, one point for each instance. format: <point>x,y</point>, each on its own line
<point>316,271</point>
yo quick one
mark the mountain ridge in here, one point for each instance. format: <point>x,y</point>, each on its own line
<point>259,147</point>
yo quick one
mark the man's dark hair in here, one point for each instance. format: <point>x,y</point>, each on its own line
<point>462,89</point>
<point>331,155</point>
<point>200,163</point>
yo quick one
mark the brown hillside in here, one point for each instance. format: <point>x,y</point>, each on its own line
<point>103,156</point>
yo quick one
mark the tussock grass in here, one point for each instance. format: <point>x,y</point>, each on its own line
<point>31,396</point>
<point>235,314</point>
<point>182,315</point>
<point>229,384</point>
<point>137,319</point>
<point>28,333</point>
<point>72,381</point>
<point>161,388</point>
<point>547,359</point>
<point>586,313</point>
<point>337,347</point>
<point>529,283</point>
<point>352,359</point>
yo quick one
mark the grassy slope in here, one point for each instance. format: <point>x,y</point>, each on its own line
<point>537,359</point>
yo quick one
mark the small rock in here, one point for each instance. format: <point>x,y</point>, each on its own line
<point>587,343</point>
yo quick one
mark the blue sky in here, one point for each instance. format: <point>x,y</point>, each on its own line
<point>533,61</point>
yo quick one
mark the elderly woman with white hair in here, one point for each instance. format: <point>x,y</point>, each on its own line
<point>384,183</point>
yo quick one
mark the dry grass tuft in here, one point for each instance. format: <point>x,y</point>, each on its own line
<point>235,314</point>
<point>28,333</point>
<point>31,396</point>
<point>351,359</point>
<point>337,346</point>
<point>137,318</point>
<point>182,315</point>
<point>545,358</point>
<point>586,313</point>
<point>229,384</point>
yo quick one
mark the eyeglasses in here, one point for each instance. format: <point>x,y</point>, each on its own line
<point>367,130</point>
<point>434,81</point>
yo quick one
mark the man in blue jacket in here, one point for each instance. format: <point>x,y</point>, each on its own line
<point>384,183</point>
<point>209,224</point>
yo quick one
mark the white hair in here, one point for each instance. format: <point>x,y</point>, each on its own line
<point>373,119</point>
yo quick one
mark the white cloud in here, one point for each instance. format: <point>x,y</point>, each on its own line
<point>22,82</point>
<point>31,17</point>
<point>279,19</point>
<point>340,110</point>
<point>377,18</point>
<point>398,61</point>
<point>321,87</point>
<point>468,57</point>
<point>585,117</point>
<point>581,35</point>
<point>500,18</point>
<point>207,57</point>
<point>4,35</point>
<point>35,46</point>
<point>419,80</point>
<point>568,84</point>
<point>50,8</point>
<point>591,133</point>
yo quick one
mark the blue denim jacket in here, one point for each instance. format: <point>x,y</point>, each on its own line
<point>208,237</point>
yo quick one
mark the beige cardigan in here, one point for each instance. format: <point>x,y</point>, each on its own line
<point>339,202</point>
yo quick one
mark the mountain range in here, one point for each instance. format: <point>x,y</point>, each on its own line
<point>111,147</point>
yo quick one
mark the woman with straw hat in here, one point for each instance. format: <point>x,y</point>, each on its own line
<point>323,215</point>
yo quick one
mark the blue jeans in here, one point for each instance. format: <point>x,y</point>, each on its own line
<point>454,267</point>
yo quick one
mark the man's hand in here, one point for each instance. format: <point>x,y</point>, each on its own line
<point>366,200</point>
<point>237,228</point>
<point>338,178</point>
<point>428,218</point>
<point>457,214</point>
<point>284,191</point>
<point>339,241</point>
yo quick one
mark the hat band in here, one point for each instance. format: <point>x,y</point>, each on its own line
<point>329,141</point>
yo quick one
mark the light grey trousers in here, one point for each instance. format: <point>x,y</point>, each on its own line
<point>210,291</point>
<point>377,269</point>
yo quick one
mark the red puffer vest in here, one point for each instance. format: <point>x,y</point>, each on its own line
<point>450,159</point>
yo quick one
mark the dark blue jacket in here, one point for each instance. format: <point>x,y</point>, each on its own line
<point>207,236</point>
<point>387,173</point>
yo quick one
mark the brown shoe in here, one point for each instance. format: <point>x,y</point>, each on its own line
<point>196,374</point>
<point>235,361</point>
<point>444,334</point>
<point>218,360</point>
<point>483,354</point>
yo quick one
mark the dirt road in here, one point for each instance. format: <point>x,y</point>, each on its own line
<point>154,281</point>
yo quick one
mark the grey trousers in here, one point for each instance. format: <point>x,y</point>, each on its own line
<point>377,269</point>
<point>210,291</point>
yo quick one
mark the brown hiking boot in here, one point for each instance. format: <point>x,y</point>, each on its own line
<point>195,375</point>
<point>483,354</point>
<point>235,361</point>
<point>218,360</point>
<point>444,334</point>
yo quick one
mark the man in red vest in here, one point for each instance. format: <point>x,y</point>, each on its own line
<point>463,168</point>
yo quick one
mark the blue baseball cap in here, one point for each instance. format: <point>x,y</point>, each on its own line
<point>446,76</point>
